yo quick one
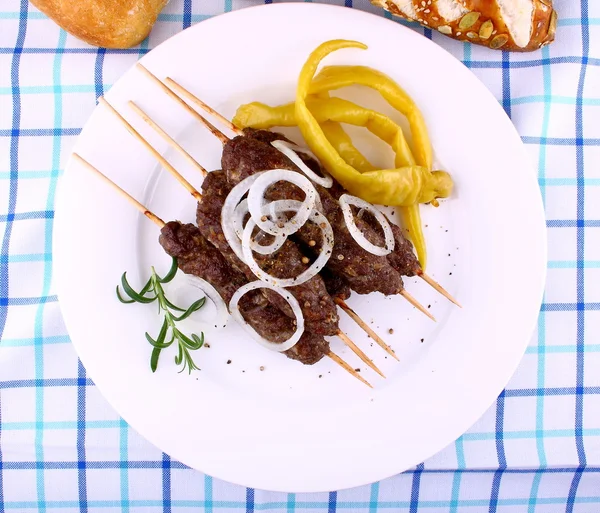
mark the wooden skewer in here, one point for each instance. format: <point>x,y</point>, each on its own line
<point>215,131</point>
<point>153,217</point>
<point>416,304</point>
<point>347,368</point>
<point>160,223</point>
<point>367,329</point>
<point>164,162</point>
<point>182,91</point>
<point>168,138</point>
<point>358,352</point>
<point>429,280</point>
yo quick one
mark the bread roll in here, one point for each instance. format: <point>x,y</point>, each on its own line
<point>517,25</point>
<point>104,23</point>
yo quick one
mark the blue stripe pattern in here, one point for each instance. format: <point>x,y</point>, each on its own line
<point>579,443</point>
<point>62,448</point>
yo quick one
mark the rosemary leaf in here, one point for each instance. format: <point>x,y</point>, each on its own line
<point>171,274</point>
<point>156,343</point>
<point>184,340</point>
<point>194,307</point>
<point>146,287</point>
<point>163,332</point>
<point>154,358</point>
<point>179,357</point>
<point>124,301</point>
<point>173,307</point>
<point>198,339</point>
<point>132,293</point>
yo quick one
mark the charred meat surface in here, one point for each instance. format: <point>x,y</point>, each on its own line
<point>336,285</point>
<point>268,137</point>
<point>208,218</point>
<point>318,308</point>
<point>403,258</point>
<point>196,256</point>
<point>243,156</point>
<point>364,272</point>
<point>309,349</point>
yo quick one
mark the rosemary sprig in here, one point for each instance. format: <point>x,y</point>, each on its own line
<point>153,291</point>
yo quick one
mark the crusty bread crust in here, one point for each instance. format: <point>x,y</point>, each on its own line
<point>104,23</point>
<point>482,23</point>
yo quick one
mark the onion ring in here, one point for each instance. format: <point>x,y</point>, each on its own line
<point>211,293</point>
<point>345,203</point>
<point>292,301</point>
<point>238,225</point>
<point>256,201</point>
<point>290,149</point>
<point>228,213</point>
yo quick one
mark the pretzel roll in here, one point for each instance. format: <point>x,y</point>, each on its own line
<point>514,25</point>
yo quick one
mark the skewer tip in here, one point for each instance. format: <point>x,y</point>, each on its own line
<point>347,368</point>
<point>366,328</point>
<point>416,304</point>
<point>430,281</point>
<point>358,352</point>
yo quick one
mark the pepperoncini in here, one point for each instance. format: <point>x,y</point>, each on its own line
<point>259,115</point>
<point>343,144</point>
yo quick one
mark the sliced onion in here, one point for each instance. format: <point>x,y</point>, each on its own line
<point>292,301</point>
<point>345,203</point>
<point>256,201</point>
<point>238,217</point>
<point>228,212</point>
<point>290,149</point>
<point>326,247</point>
<point>238,225</point>
<point>211,293</point>
<point>278,241</point>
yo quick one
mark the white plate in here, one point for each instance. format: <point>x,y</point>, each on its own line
<point>287,428</point>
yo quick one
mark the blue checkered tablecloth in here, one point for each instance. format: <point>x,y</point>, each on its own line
<point>63,448</point>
